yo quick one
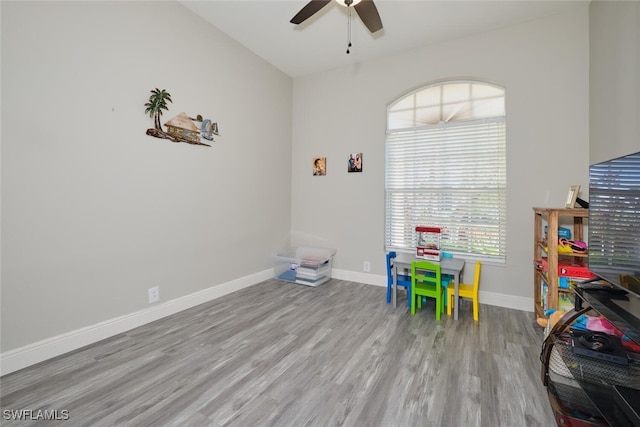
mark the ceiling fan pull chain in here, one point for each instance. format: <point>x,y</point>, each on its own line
<point>348,28</point>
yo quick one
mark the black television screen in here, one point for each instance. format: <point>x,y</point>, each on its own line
<point>614,221</point>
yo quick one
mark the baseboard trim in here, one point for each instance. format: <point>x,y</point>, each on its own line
<point>489,298</point>
<point>40,351</point>
<point>49,348</point>
<point>506,301</point>
<point>354,276</point>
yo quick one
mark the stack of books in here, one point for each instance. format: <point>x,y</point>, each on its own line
<point>313,271</point>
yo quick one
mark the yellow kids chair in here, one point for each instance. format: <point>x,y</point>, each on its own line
<point>466,291</point>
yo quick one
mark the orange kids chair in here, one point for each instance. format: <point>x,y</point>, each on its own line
<point>466,291</point>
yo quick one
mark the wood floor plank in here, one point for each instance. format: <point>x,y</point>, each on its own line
<point>280,354</point>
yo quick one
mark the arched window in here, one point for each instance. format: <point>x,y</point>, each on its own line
<point>446,167</point>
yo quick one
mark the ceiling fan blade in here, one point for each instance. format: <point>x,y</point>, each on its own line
<point>309,10</point>
<point>369,15</point>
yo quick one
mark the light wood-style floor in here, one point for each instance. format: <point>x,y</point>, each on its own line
<point>280,354</point>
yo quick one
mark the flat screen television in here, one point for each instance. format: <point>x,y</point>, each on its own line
<point>614,221</point>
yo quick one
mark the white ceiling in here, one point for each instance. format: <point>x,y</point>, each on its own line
<point>320,43</point>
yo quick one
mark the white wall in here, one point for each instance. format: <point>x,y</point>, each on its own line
<point>543,65</point>
<point>614,79</point>
<point>94,212</point>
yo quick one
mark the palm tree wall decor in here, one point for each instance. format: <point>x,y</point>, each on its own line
<point>182,128</point>
<point>157,103</point>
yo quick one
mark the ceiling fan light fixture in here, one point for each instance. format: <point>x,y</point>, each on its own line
<point>347,3</point>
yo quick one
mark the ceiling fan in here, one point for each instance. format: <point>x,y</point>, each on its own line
<point>366,9</point>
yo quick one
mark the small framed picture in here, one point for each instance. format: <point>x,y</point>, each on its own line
<point>355,162</point>
<point>319,166</point>
<point>572,196</point>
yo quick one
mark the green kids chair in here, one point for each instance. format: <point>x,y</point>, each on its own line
<point>426,281</point>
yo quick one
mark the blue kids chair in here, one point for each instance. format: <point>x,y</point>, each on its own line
<point>401,279</point>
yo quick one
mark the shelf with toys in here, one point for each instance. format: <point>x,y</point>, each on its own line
<point>560,256</point>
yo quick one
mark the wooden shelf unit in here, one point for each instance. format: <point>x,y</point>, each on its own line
<point>551,217</point>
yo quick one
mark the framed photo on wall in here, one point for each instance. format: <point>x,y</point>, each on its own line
<point>319,166</point>
<point>355,162</point>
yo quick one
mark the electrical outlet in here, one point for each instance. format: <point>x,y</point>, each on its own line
<point>154,294</point>
<point>366,266</point>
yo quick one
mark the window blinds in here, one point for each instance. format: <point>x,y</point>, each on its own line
<point>452,176</point>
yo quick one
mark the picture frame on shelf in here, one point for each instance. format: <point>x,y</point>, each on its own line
<point>572,196</point>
